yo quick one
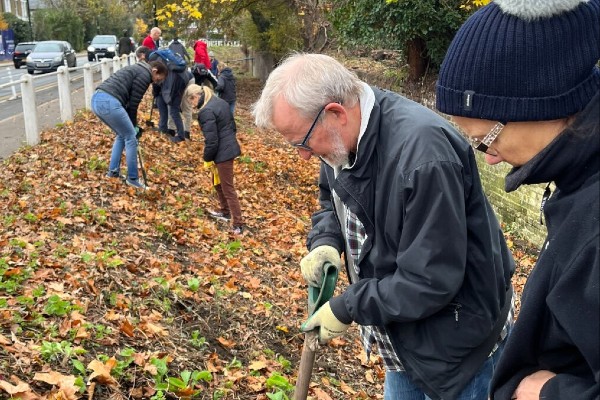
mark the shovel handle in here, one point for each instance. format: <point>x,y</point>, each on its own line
<point>306,365</point>
<point>316,298</point>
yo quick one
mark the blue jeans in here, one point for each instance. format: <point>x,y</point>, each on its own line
<point>112,113</point>
<point>398,385</point>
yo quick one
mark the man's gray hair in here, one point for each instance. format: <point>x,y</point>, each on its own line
<point>307,82</point>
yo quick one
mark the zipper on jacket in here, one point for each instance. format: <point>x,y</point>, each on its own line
<point>457,307</point>
<point>545,197</point>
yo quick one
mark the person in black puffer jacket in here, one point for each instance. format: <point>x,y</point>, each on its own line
<point>116,102</point>
<point>220,147</point>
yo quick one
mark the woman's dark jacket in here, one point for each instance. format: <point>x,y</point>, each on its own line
<point>216,122</point>
<point>226,85</point>
<point>435,270</point>
<point>558,327</point>
<point>128,85</point>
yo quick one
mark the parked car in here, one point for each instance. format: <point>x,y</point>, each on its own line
<point>22,50</point>
<point>103,46</point>
<point>48,55</point>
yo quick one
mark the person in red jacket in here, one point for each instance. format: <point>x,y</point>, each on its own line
<point>201,70</point>
<point>201,53</point>
<point>151,41</point>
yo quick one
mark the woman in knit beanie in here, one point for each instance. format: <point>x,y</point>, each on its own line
<point>521,79</point>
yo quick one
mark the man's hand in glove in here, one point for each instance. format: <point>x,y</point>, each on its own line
<point>312,264</point>
<point>330,326</point>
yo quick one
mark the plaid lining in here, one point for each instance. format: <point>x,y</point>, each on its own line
<point>355,237</point>
<point>375,335</point>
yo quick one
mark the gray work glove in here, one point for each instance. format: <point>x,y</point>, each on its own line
<point>312,264</point>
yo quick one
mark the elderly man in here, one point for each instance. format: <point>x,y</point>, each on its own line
<point>152,40</point>
<point>400,196</point>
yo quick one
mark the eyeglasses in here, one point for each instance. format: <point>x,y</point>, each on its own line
<point>484,144</point>
<point>304,143</point>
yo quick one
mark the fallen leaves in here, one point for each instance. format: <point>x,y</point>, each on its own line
<point>148,286</point>
<point>66,388</point>
<point>19,390</point>
<point>101,371</point>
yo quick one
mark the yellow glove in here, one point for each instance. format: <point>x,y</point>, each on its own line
<point>210,165</point>
<point>330,326</point>
<point>312,264</point>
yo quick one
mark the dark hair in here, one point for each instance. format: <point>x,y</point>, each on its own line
<point>143,50</point>
<point>161,68</point>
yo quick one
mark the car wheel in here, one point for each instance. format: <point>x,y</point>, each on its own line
<point>30,71</point>
<point>17,65</point>
<point>90,58</point>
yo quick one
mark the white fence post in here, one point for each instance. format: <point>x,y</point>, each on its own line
<point>32,133</point>
<point>88,85</point>
<point>116,64</point>
<point>64,94</point>
<point>105,67</point>
<point>12,88</point>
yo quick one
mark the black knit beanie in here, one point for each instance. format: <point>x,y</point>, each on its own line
<point>523,60</point>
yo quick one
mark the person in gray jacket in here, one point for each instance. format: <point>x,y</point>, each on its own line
<point>400,196</point>
<point>178,48</point>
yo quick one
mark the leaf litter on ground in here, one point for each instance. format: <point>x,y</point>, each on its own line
<point>111,293</point>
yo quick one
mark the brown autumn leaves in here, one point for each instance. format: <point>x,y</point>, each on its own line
<point>107,293</point>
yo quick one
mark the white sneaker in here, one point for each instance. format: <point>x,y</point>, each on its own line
<point>136,184</point>
<point>219,215</point>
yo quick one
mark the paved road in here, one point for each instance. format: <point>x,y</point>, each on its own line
<point>12,125</point>
<point>8,73</point>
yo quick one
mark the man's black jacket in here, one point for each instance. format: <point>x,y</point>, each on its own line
<point>434,270</point>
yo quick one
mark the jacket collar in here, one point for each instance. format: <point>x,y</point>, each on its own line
<point>369,115</point>
<point>569,159</point>
<point>145,65</point>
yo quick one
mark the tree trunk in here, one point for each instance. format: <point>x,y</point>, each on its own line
<point>263,64</point>
<point>418,61</point>
<point>314,24</point>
